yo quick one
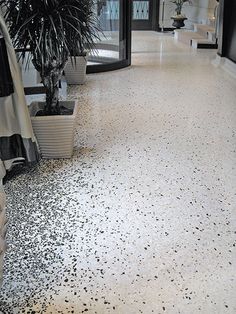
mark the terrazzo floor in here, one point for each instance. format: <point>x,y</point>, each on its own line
<point>142,218</point>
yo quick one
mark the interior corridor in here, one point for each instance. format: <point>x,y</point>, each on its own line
<point>142,218</point>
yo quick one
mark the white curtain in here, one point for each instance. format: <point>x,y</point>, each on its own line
<point>17,141</point>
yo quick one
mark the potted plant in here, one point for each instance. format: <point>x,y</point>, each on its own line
<point>179,17</point>
<point>52,30</point>
<point>75,69</point>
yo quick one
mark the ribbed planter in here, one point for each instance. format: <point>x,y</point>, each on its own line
<point>55,134</point>
<point>75,72</point>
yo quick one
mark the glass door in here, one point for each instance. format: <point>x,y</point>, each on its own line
<point>142,14</point>
<point>113,51</point>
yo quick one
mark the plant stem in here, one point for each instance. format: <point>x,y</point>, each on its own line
<point>51,77</point>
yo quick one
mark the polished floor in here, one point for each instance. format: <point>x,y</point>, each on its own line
<point>142,219</point>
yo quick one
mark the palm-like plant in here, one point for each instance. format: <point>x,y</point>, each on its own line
<point>52,30</point>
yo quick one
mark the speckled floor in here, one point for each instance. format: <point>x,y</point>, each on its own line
<point>142,218</point>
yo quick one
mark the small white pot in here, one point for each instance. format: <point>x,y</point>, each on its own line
<point>75,72</point>
<point>55,134</point>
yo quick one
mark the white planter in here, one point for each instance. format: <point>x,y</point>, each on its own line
<point>75,72</point>
<point>55,134</point>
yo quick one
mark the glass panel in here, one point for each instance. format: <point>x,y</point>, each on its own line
<point>111,48</point>
<point>113,10</point>
<point>141,10</point>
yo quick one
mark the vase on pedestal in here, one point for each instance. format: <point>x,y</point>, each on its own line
<point>178,21</point>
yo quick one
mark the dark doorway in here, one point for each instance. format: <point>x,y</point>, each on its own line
<point>145,14</point>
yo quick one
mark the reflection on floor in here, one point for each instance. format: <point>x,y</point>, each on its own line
<point>142,218</point>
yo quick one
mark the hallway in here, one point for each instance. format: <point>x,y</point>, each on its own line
<point>142,218</point>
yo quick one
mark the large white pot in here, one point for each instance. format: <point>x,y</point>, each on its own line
<point>55,134</point>
<point>75,72</point>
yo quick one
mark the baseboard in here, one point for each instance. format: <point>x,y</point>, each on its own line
<point>165,29</point>
<point>207,46</point>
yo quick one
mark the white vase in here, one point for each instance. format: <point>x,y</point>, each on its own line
<point>75,72</point>
<point>55,134</point>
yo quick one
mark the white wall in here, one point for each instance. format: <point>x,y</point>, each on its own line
<point>199,11</point>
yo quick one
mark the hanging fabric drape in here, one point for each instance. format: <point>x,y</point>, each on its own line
<point>17,141</point>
